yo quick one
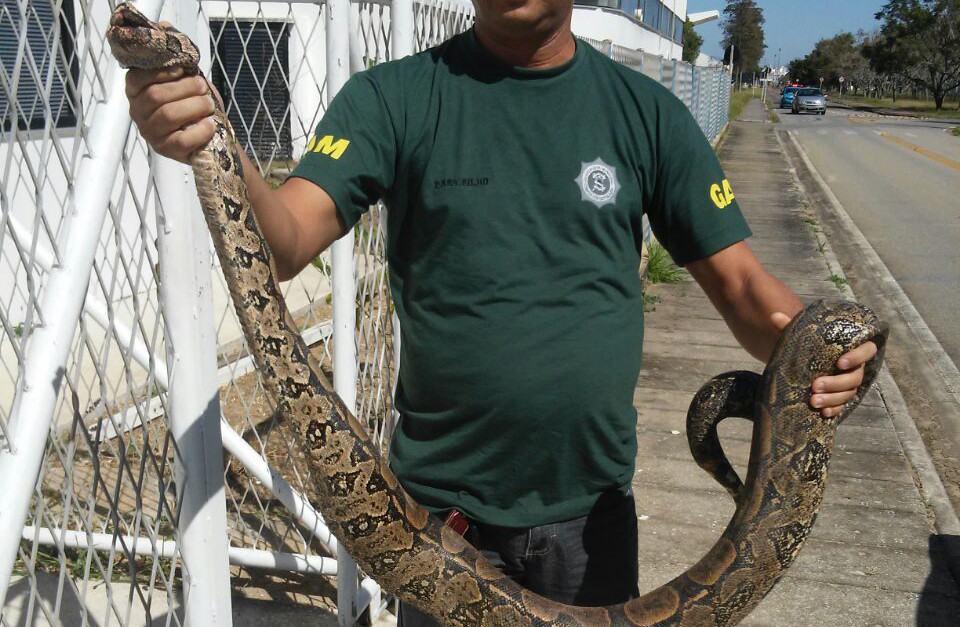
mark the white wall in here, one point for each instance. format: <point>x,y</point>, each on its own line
<point>609,24</point>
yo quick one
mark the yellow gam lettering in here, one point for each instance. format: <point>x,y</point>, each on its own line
<point>728,191</point>
<point>721,196</point>
<point>329,146</point>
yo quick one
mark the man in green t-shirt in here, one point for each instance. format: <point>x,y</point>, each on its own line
<point>516,164</point>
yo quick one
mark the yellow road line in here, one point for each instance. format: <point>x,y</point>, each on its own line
<point>950,163</point>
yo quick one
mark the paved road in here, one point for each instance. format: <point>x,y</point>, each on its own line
<point>899,179</point>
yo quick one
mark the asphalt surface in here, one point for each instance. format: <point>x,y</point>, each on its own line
<point>899,179</point>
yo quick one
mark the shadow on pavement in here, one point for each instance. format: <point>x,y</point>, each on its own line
<point>939,603</point>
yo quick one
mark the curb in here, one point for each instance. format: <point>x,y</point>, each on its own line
<point>931,487</point>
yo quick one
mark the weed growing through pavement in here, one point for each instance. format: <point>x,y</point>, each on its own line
<point>956,131</point>
<point>839,281</point>
<point>650,302</point>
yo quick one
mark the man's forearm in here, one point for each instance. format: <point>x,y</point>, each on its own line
<point>747,296</point>
<point>276,223</point>
<point>750,314</point>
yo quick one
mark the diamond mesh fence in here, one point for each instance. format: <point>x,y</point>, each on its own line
<point>100,542</point>
<point>705,90</point>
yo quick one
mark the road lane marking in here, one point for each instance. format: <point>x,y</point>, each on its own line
<point>910,135</point>
<point>823,131</point>
<point>950,163</point>
<point>849,132</point>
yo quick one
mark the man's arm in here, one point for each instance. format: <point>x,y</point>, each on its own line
<point>757,307</point>
<point>299,219</point>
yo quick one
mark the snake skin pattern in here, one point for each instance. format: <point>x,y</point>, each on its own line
<point>410,552</point>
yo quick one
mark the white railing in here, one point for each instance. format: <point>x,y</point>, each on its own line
<point>705,90</point>
<point>123,372</point>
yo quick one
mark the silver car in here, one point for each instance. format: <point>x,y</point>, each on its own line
<point>810,100</point>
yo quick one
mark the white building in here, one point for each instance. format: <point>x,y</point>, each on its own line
<point>653,26</point>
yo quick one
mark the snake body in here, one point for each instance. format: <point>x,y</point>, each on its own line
<point>411,553</point>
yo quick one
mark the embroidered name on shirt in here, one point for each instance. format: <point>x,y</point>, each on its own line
<point>461,182</point>
<point>333,148</point>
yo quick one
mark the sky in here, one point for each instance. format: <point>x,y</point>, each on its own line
<point>793,26</point>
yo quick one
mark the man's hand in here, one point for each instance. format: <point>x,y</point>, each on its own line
<point>171,110</point>
<point>829,394</point>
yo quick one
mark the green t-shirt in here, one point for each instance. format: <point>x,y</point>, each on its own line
<point>515,200</point>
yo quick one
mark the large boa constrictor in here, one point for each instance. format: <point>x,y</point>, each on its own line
<point>423,562</point>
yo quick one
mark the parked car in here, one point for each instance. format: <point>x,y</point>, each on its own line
<point>809,100</point>
<point>786,98</point>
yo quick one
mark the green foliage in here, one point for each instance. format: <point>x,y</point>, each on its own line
<point>650,302</point>
<point>743,29</point>
<point>920,41</point>
<point>956,131</point>
<point>692,41</point>
<point>738,101</point>
<point>838,280</point>
<point>660,267</point>
<point>832,58</point>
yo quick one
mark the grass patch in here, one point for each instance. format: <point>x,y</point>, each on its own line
<point>838,281</point>
<point>773,116</point>
<point>923,108</point>
<point>660,267</point>
<point>956,131</point>
<point>738,101</point>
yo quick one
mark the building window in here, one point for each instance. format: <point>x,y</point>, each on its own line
<point>250,70</point>
<point>610,4</point>
<point>38,65</point>
<point>651,13</point>
<point>678,31</point>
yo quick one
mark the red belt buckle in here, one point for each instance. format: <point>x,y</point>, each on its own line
<point>457,521</point>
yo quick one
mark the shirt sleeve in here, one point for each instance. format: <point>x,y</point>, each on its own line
<point>353,153</point>
<point>692,210</point>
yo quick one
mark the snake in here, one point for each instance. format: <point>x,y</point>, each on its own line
<point>410,552</point>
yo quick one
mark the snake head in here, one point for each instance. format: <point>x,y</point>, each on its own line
<point>138,42</point>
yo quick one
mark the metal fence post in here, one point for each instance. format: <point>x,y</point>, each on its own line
<point>44,363</point>
<point>401,28</point>
<point>344,289</point>
<point>185,292</point>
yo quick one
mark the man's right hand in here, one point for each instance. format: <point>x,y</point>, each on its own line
<point>171,110</point>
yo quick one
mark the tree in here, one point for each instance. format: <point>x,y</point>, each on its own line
<point>920,41</point>
<point>830,59</point>
<point>692,41</point>
<point>743,31</point>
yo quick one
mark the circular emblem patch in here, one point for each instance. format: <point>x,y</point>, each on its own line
<point>598,183</point>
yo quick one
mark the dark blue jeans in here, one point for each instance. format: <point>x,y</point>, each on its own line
<point>588,561</point>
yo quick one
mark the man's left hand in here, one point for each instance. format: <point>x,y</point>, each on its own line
<point>829,394</point>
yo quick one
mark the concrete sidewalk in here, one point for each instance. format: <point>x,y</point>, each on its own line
<point>873,557</point>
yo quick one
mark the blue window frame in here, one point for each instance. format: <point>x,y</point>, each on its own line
<point>651,13</point>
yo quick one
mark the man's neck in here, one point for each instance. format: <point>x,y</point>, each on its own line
<point>528,50</point>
